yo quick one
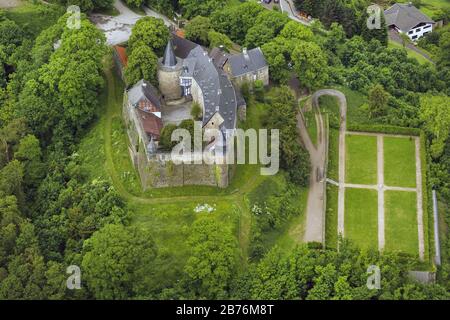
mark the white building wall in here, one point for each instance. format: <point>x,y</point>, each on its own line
<point>416,33</point>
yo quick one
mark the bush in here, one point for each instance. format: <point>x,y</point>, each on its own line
<point>196,111</point>
<point>381,128</point>
<point>165,141</point>
<point>258,88</point>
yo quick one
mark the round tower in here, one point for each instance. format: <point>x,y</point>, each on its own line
<point>169,70</point>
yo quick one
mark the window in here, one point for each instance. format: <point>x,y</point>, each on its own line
<point>418,29</point>
<point>411,32</point>
<point>414,37</point>
<point>426,27</point>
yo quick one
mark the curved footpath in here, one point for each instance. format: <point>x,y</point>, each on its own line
<point>315,210</point>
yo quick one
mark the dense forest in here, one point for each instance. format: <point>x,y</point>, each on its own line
<point>53,215</point>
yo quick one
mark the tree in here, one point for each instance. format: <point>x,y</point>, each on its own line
<point>282,113</point>
<point>142,64</point>
<point>405,39</point>
<point>435,112</point>
<point>212,265</point>
<point>310,64</point>
<point>235,21</point>
<point>197,30</point>
<point>275,54</point>
<point>117,262</point>
<point>192,8</point>
<point>378,100</point>
<point>135,3</point>
<point>165,140</point>
<point>380,34</point>
<point>296,31</point>
<point>149,31</point>
<point>30,154</point>
<point>11,180</point>
<point>258,35</point>
<point>217,39</point>
<point>258,88</point>
<point>196,111</point>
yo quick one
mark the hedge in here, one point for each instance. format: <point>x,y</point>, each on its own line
<point>384,129</point>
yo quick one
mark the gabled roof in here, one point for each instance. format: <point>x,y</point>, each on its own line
<point>248,61</point>
<point>152,124</point>
<point>405,16</point>
<point>219,57</point>
<point>144,90</point>
<point>182,46</point>
<point>218,92</point>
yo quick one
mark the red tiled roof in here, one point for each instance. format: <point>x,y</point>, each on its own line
<point>180,33</point>
<point>151,123</point>
<point>122,54</point>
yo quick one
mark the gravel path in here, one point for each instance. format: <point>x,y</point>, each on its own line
<point>380,174</point>
<point>315,210</point>
<point>118,29</point>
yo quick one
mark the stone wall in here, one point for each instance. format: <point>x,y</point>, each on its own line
<point>169,81</point>
<point>261,74</point>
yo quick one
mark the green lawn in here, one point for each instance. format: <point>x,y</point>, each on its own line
<point>311,125</point>
<point>331,219</point>
<point>333,155</point>
<point>361,159</point>
<point>35,17</point>
<point>399,162</point>
<point>170,226</point>
<point>401,232</point>
<point>355,101</point>
<point>411,53</point>
<point>361,217</point>
<point>431,7</point>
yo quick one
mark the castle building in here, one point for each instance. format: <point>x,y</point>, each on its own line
<point>187,74</point>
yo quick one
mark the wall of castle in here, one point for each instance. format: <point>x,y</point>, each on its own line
<point>261,74</point>
<point>157,171</point>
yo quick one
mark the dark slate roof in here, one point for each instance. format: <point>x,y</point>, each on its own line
<point>218,92</point>
<point>182,46</point>
<point>219,57</point>
<point>144,90</point>
<point>245,63</point>
<point>405,16</point>
<point>169,59</point>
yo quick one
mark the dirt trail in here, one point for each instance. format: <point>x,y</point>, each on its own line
<point>315,210</point>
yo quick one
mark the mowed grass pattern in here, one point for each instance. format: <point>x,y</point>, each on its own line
<point>399,162</point>
<point>401,233</point>
<point>361,217</point>
<point>361,159</point>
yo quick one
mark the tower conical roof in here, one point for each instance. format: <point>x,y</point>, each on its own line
<point>169,59</point>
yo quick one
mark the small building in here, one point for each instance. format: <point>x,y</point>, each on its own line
<point>405,18</point>
<point>248,66</point>
<point>142,110</point>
